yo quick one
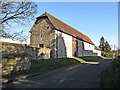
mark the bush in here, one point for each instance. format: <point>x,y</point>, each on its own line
<point>116,61</point>
<point>108,54</point>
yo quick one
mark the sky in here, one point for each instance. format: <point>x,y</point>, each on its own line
<point>119,27</point>
<point>94,19</point>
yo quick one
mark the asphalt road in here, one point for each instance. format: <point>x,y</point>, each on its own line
<point>85,75</point>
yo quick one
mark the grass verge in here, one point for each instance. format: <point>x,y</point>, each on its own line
<point>91,58</point>
<point>43,65</point>
<point>79,59</point>
<point>109,78</point>
<point>51,64</point>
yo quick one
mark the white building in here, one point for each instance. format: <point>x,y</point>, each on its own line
<point>62,39</point>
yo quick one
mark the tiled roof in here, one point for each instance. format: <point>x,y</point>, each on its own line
<point>66,28</point>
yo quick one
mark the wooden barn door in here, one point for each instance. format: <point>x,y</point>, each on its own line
<point>74,47</point>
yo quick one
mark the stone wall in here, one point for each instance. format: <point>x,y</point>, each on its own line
<point>89,53</point>
<point>17,57</point>
<point>60,46</point>
<point>68,44</point>
<point>42,33</point>
<point>91,47</point>
<point>11,65</point>
<point>80,48</point>
<point>12,47</point>
<point>32,52</point>
<point>85,49</point>
<point>14,58</point>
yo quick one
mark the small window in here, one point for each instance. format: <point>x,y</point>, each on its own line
<point>41,45</point>
<point>48,26</point>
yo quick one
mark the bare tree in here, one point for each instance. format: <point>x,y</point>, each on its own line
<point>15,13</point>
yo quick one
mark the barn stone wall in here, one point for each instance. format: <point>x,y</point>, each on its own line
<point>89,53</point>
<point>85,49</point>
<point>42,33</point>
<point>89,47</point>
<point>80,48</point>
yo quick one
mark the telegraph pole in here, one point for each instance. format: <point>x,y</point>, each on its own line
<point>114,47</point>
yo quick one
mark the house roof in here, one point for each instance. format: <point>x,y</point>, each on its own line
<point>66,28</point>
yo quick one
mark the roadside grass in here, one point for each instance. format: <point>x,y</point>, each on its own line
<point>116,61</point>
<point>91,58</point>
<point>109,54</point>
<point>107,80</point>
<point>79,59</point>
<point>110,78</point>
<point>102,57</point>
<point>50,64</point>
<point>43,65</point>
<point>38,66</point>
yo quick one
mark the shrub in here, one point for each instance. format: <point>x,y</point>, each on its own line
<point>108,54</point>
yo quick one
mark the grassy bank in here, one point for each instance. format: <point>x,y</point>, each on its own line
<point>111,77</point>
<point>91,58</point>
<point>107,79</point>
<point>50,64</point>
<point>43,65</point>
<point>38,66</point>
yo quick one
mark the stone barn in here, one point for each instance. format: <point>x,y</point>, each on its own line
<point>60,38</point>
